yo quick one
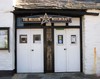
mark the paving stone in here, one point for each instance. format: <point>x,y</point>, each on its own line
<point>32,76</point>
<point>52,76</point>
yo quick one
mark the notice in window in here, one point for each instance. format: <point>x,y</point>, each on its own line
<point>3,39</point>
<point>60,39</point>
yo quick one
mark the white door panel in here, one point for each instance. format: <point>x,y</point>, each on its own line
<point>22,56</point>
<point>37,47</point>
<point>73,51</point>
<point>60,53</point>
<point>67,60</point>
<point>30,54</point>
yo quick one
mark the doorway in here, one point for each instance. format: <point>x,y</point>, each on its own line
<point>30,51</point>
<point>48,50</point>
<point>67,50</point>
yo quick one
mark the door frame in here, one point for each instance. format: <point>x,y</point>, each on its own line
<point>45,65</point>
<point>81,43</point>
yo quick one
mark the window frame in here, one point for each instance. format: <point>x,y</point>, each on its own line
<point>6,28</point>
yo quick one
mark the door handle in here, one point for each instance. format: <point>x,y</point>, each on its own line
<point>32,50</point>
<point>65,49</point>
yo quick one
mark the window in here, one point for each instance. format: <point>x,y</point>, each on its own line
<point>60,39</point>
<point>59,24</point>
<point>4,38</point>
<point>36,38</point>
<point>23,38</point>
<point>73,39</point>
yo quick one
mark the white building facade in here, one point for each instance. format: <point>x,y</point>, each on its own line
<point>7,57</point>
<point>48,40</point>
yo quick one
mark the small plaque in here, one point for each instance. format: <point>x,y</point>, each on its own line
<point>73,39</point>
<point>60,39</point>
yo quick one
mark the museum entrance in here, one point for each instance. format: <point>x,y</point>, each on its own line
<point>48,43</point>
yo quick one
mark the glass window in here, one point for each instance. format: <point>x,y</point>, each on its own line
<point>60,39</point>
<point>73,39</point>
<point>23,38</point>
<point>36,38</point>
<point>59,24</point>
<point>4,39</point>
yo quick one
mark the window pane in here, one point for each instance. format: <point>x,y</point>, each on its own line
<point>3,39</point>
<point>36,38</point>
<point>23,38</point>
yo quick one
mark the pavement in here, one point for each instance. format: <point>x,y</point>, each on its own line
<point>52,76</point>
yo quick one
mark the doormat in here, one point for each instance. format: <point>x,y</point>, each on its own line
<point>32,76</point>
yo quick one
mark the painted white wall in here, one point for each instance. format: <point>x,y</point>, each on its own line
<point>91,40</point>
<point>6,20</point>
<point>6,5</point>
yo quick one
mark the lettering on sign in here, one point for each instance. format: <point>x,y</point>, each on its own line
<point>47,19</point>
<point>31,19</point>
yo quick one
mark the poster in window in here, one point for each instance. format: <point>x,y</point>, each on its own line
<point>60,39</point>
<point>73,39</point>
<point>3,39</point>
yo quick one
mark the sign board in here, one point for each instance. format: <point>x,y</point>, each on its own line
<point>47,19</point>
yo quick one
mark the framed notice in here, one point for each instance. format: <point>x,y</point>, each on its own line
<point>60,39</point>
<point>73,39</point>
<point>23,38</point>
<point>4,38</point>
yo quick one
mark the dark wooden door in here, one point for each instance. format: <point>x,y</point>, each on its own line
<point>48,50</point>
